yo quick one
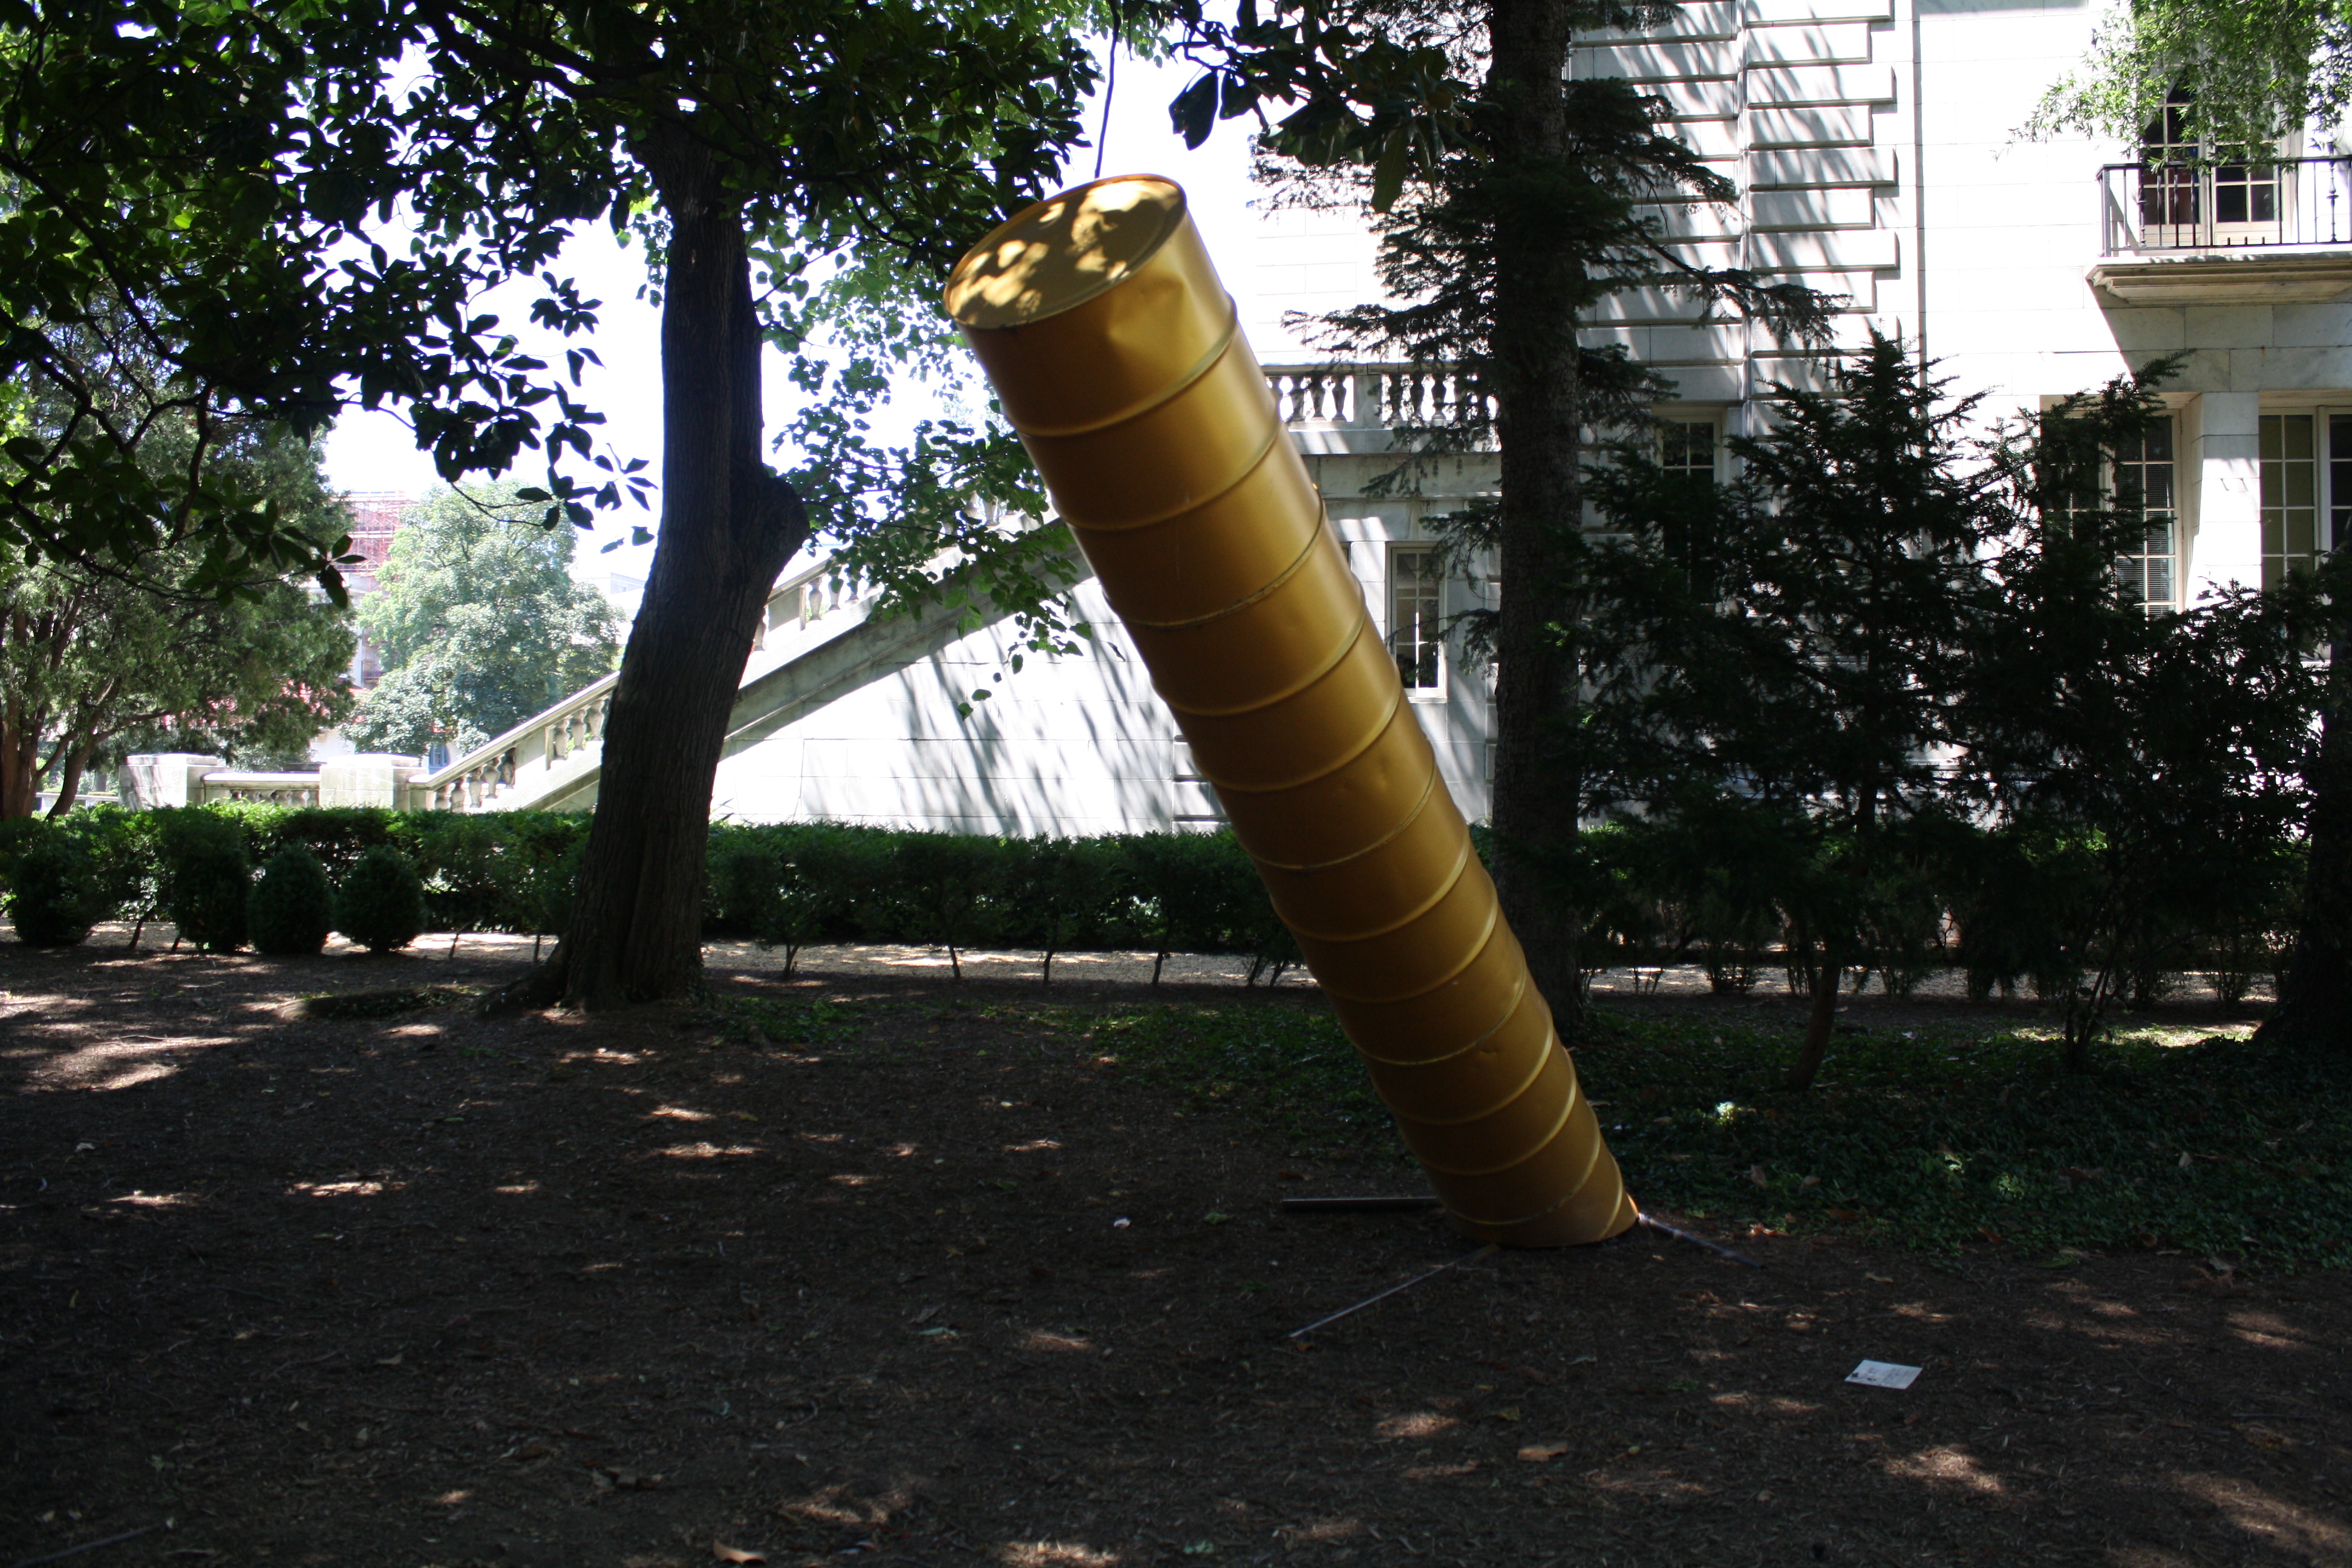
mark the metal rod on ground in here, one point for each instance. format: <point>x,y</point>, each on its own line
<point>86,1546</point>
<point>1358,1205</point>
<point>1369,1300</point>
<point>1681,1235</point>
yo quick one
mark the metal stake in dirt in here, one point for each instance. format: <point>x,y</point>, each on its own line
<point>1646,1223</point>
<point>1369,1300</point>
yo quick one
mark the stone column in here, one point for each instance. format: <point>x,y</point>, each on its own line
<point>2218,475</point>
<point>165,778</point>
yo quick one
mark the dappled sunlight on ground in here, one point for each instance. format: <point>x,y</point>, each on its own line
<point>117,1064</point>
<point>1053,1555</point>
<point>2266,1519</point>
<point>158,1200</point>
<point>1948,1466</point>
<point>565,1290</point>
<point>2268,1330</point>
<point>343,1189</point>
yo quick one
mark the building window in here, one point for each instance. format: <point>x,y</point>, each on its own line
<point>2290,485</point>
<point>1686,447</point>
<point>1416,626</point>
<point>2191,193</point>
<point>2168,155</point>
<point>2340,478</point>
<point>2144,485</point>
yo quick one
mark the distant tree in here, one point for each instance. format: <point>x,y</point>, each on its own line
<point>128,654</point>
<point>480,623</point>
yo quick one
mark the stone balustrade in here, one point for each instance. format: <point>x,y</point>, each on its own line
<point>1344,397</point>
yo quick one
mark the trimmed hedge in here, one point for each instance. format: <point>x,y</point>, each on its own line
<point>206,878</point>
<point>292,908</point>
<point>2004,907</point>
<point>787,885</point>
<point>791,884</point>
<point>53,893</point>
<point>380,903</point>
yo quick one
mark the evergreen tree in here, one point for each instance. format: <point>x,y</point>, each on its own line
<point>1512,201</point>
<point>1895,626</point>
<point>2255,72</point>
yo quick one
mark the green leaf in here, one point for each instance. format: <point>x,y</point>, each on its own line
<point>1388,174</point>
<point>1195,111</point>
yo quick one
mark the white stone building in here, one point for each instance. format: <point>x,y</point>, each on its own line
<point>1877,147</point>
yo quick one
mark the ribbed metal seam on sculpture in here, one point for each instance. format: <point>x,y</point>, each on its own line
<point>1117,355</point>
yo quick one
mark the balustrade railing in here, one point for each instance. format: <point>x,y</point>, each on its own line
<point>2146,208</point>
<point>548,742</point>
<point>1345,396</point>
<point>535,748</point>
<point>806,595</point>
<point>270,788</point>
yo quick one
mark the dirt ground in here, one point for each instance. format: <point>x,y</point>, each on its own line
<point>426,1290</point>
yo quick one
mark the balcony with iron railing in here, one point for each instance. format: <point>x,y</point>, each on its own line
<point>2213,233</point>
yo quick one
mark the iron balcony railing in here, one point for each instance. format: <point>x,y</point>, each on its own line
<point>2146,208</point>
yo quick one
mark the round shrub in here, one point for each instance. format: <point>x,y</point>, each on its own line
<point>291,908</point>
<point>53,896</point>
<point>381,905</point>
<point>207,878</point>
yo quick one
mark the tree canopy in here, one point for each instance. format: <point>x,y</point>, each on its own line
<point>94,664</point>
<point>2256,70</point>
<point>305,201</point>
<point>479,624</point>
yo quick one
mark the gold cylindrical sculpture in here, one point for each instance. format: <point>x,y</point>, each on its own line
<point>1117,356</point>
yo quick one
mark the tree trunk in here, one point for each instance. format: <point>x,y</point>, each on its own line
<point>70,781</point>
<point>1810,1056</point>
<point>728,524</point>
<point>20,778</point>
<point>2315,992</point>
<point>1537,782</point>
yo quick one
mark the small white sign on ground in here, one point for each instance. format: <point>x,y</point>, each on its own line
<point>1883,1374</point>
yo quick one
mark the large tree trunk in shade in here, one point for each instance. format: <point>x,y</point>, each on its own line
<point>19,769</point>
<point>2315,992</point>
<point>69,771</point>
<point>1537,782</point>
<point>728,524</point>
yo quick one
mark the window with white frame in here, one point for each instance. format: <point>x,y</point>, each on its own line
<point>2306,467</point>
<point>2340,478</point>
<point>1687,445</point>
<point>2144,480</point>
<point>1416,616</point>
<point>2193,192</point>
<point>2289,462</point>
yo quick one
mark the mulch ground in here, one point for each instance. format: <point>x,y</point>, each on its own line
<point>426,1290</point>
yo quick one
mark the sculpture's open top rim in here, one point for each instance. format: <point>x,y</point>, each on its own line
<point>1055,254</point>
